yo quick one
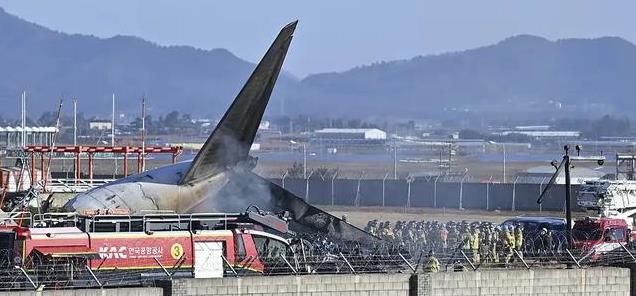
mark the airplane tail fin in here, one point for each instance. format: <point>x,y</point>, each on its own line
<point>230,142</point>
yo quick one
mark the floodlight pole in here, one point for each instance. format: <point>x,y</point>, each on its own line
<point>566,165</point>
<point>568,207</point>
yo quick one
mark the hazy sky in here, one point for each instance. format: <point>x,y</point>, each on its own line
<point>333,35</point>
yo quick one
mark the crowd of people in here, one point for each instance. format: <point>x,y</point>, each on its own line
<point>480,241</point>
<point>450,243</point>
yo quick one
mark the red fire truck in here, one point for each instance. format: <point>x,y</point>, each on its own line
<point>200,245</point>
<point>600,235</point>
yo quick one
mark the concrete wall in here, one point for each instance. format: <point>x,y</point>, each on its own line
<point>315,285</point>
<point>593,281</point>
<point>90,292</point>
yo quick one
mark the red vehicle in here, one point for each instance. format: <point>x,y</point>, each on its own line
<point>600,235</point>
<point>201,245</point>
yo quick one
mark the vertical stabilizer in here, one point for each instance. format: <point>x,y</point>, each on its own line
<point>230,142</point>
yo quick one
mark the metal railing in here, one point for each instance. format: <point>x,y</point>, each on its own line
<point>74,185</point>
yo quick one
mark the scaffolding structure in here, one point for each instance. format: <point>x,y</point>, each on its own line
<point>89,153</point>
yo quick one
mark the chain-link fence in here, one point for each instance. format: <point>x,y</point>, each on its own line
<point>437,192</point>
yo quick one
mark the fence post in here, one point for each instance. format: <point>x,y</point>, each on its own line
<point>356,202</point>
<point>435,192</point>
<point>488,194</point>
<point>332,189</point>
<point>409,180</point>
<point>384,188</point>
<point>347,261</point>
<point>540,189</point>
<point>307,186</point>
<point>283,179</point>
<point>461,192</point>
<point>514,191</point>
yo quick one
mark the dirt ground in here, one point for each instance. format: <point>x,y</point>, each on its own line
<point>476,169</point>
<point>361,215</point>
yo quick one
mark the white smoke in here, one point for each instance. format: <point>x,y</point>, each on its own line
<point>241,187</point>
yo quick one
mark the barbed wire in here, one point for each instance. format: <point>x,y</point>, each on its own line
<point>47,273</point>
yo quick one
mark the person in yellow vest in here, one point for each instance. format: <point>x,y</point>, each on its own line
<point>519,239</point>
<point>509,244</point>
<point>474,245</point>
<point>386,231</point>
<point>465,238</point>
<point>432,264</point>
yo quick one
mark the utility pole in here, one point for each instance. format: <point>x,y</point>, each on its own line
<point>112,124</point>
<point>75,122</point>
<point>23,119</point>
<point>568,207</point>
<point>565,167</point>
<point>143,133</point>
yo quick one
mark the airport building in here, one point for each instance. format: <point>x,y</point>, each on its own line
<point>544,134</point>
<point>364,134</point>
<point>12,137</point>
<point>100,124</point>
<point>343,137</point>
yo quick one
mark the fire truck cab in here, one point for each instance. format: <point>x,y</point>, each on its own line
<point>600,235</point>
<point>201,245</point>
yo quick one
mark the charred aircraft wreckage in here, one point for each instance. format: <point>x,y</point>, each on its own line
<point>220,178</point>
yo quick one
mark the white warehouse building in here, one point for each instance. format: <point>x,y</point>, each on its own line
<point>345,137</point>
<point>351,133</point>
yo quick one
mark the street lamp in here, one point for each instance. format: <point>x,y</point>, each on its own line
<point>564,166</point>
<point>514,193</point>
<point>384,188</point>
